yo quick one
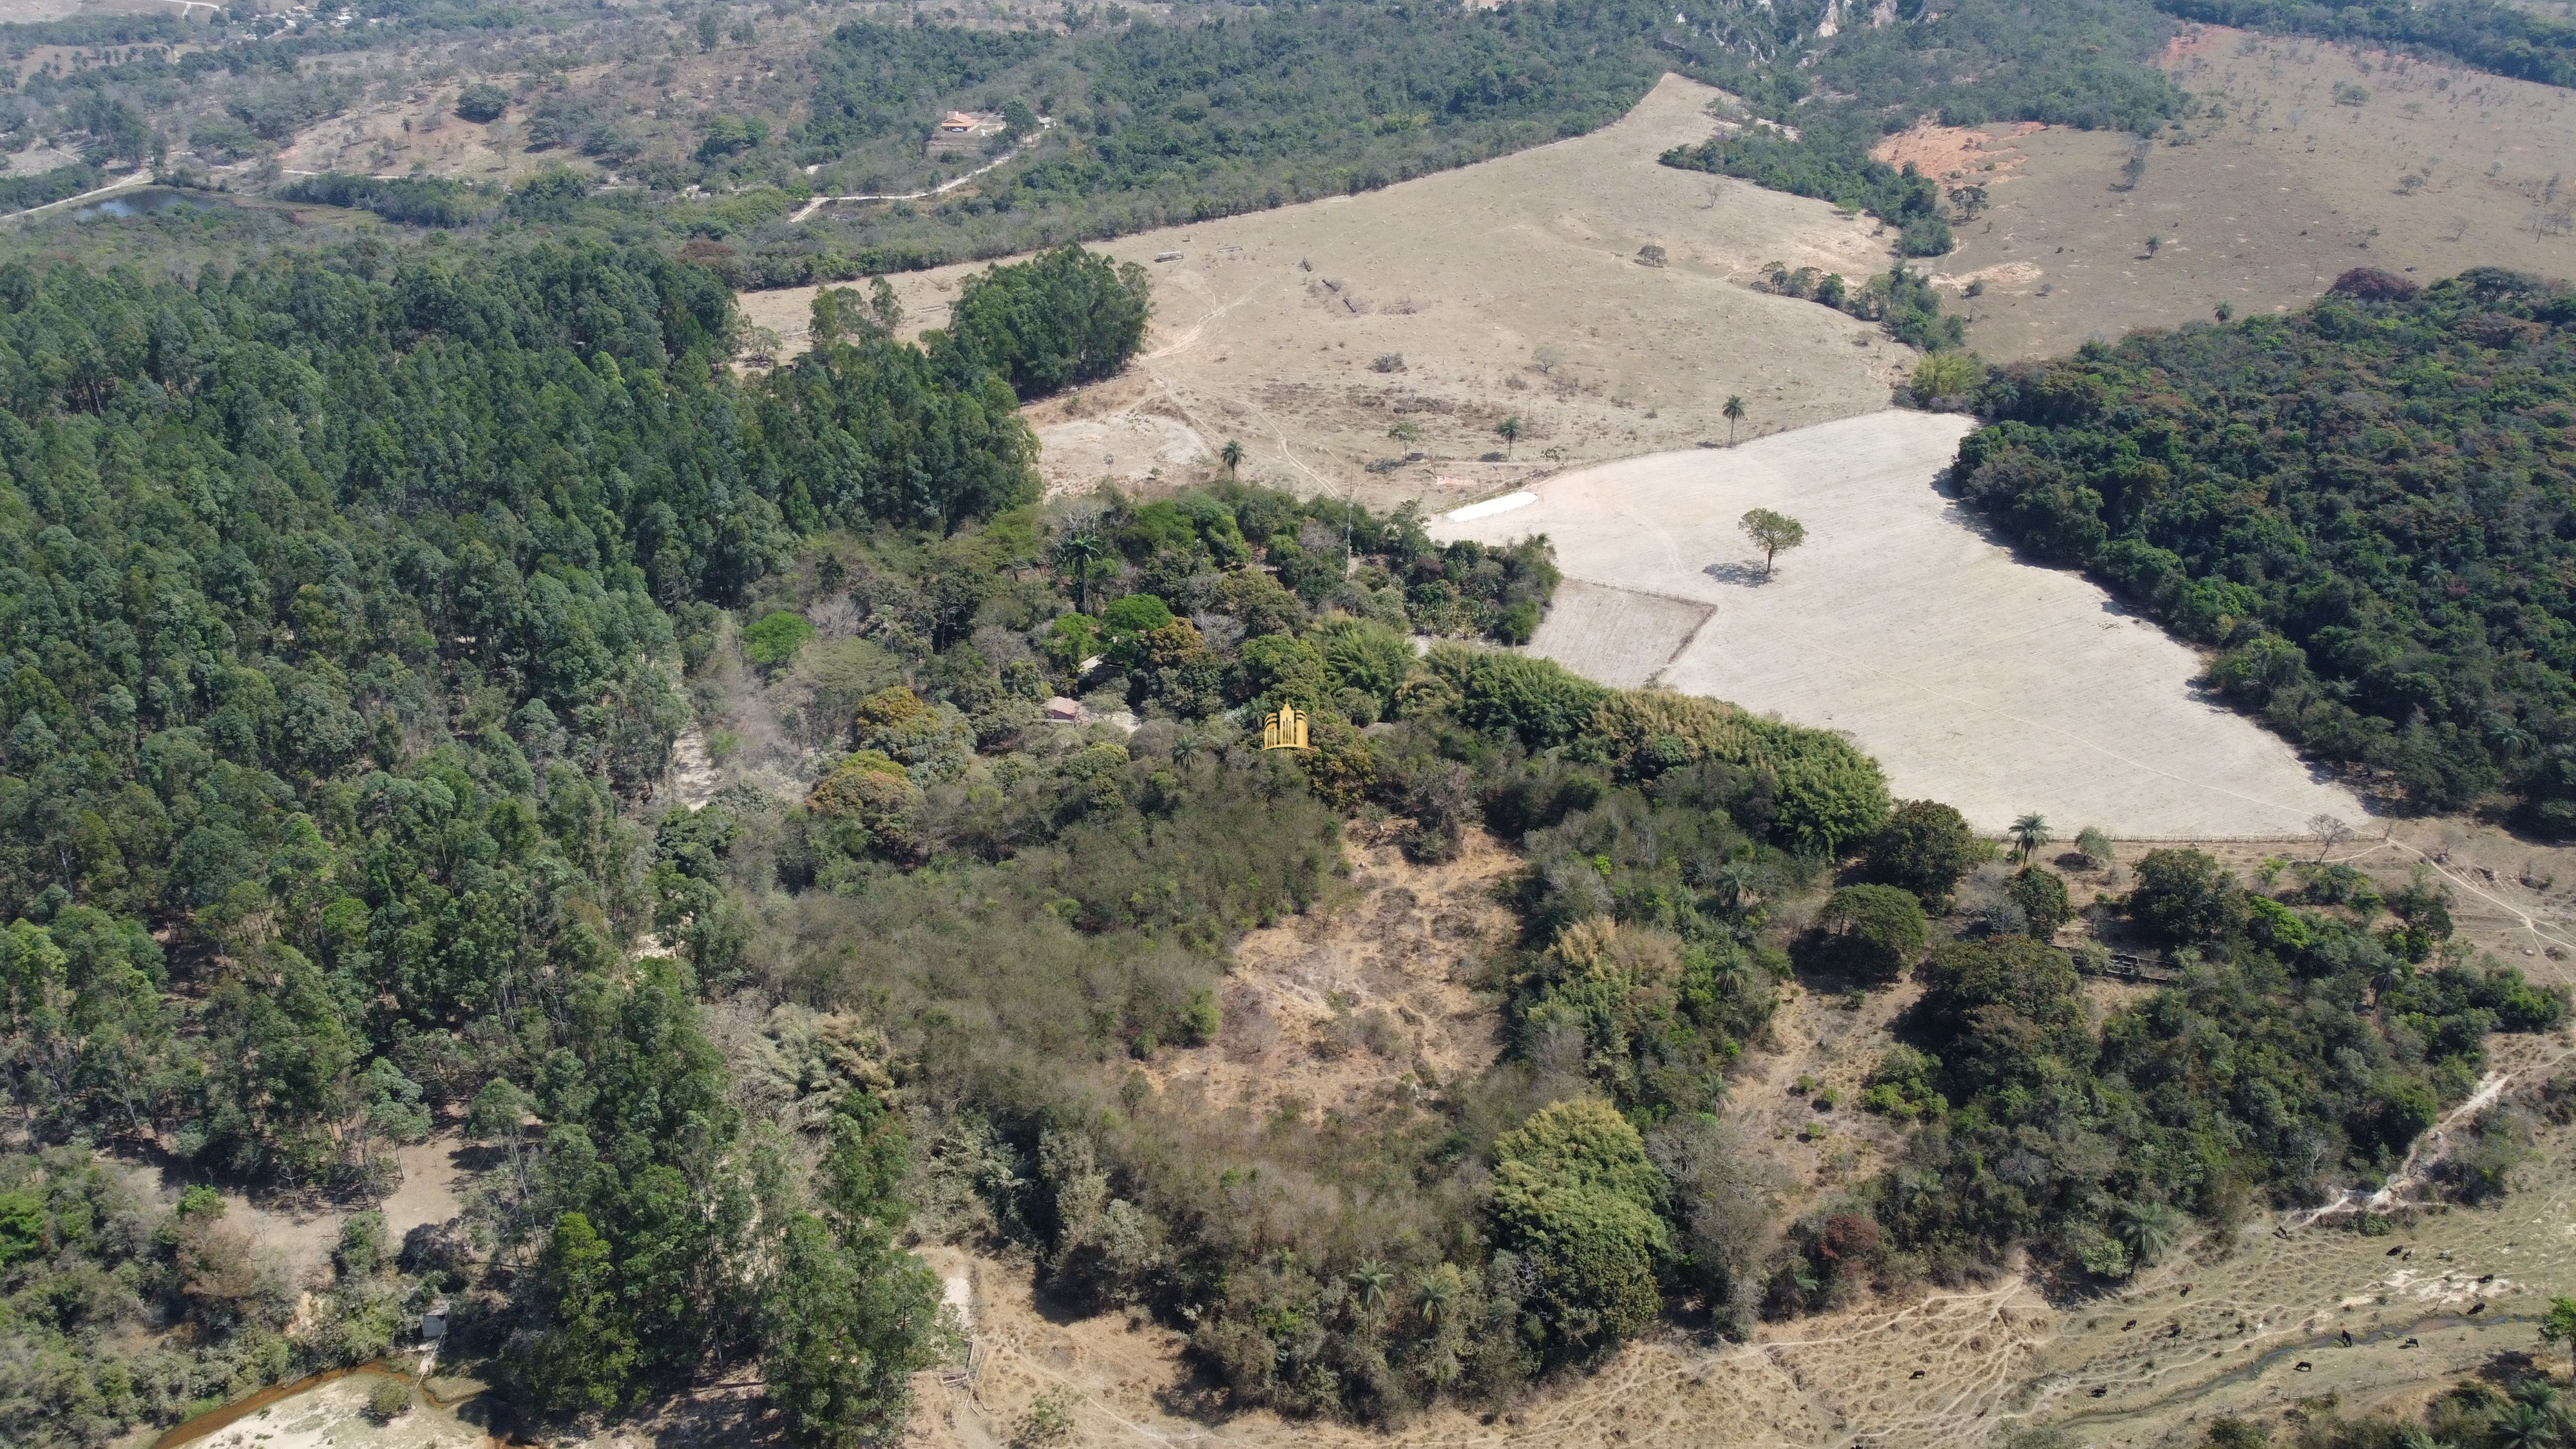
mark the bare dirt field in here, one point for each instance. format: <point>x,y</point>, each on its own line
<point>1974,678</point>
<point>1512,288</point>
<point>2419,167</point>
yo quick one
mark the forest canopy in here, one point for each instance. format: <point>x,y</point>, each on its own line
<point>2364,505</point>
<point>343,603</point>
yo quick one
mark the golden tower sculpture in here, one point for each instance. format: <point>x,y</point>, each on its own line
<point>1285,730</point>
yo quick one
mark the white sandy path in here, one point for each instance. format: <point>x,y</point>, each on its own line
<point>1976,679</point>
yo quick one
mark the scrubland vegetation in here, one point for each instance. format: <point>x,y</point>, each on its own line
<point>353,599</point>
<point>356,600</point>
<point>2361,504</point>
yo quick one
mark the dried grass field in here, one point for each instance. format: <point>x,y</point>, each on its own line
<point>1372,343</point>
<point>1974,678</point>
<point>2308,158</point>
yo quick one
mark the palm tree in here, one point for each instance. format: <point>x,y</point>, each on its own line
<point>1733,885</point>
<point>2148,1230</point>
<point>2525,1426</point>
<point>1510,428</point>
<point>1078,550</point>
<point>1733,412</point>
<point>1232,456</point>
<point>2029,833</point>
<point>1372,1278</point>
<point>1437,1293</point>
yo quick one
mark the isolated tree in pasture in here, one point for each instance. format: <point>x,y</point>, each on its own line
<point>1733,412</point>
<point>1510,429</point>
<point>1232,456</point>
<point>2028,834</point>
<point>1773,533</point>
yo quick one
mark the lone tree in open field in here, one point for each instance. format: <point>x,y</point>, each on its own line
<point>1510,428</point>
<point>2029,833</point>
<point>1232,456</point>
<point>1733,412</point>
<point>1773,533</point>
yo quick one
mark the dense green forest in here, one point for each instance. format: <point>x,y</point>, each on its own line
<point>344,595</point>
<point>1208,112</point>
<point>2365,505</point>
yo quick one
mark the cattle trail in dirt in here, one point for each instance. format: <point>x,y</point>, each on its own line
<point>1976,679</point>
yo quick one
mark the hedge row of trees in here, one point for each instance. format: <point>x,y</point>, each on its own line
<point>2363,504</point>
<point>341,597</point>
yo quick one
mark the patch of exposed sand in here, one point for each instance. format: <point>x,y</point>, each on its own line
<point>433,1184</point>
<point>1360,331</point>
<point>1132,447</point>
<point>296,1236</point>
<point>1977,679</point>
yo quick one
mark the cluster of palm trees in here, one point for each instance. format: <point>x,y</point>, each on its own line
<point>2536,1417</point>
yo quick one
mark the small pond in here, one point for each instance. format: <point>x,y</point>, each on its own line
<point>142,201</point>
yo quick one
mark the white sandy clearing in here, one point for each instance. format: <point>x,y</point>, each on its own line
<point>1976,679</point>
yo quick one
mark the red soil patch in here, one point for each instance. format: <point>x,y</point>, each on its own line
<point>2198,40</point>
<point>1958,153</point>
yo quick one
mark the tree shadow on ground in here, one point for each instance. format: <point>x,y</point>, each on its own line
<point>1751,576</point>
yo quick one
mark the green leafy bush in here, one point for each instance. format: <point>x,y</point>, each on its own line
<point>482,102</point>
<point>1872,931</point>
<point>1925,846</point>
<point>771,643</point>
<point>1575,1197</point>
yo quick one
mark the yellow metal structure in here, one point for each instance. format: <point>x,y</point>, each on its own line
<point>1285,730</point>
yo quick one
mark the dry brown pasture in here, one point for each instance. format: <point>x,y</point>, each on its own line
<point>2273,192</point>
<point>1512,288</point>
